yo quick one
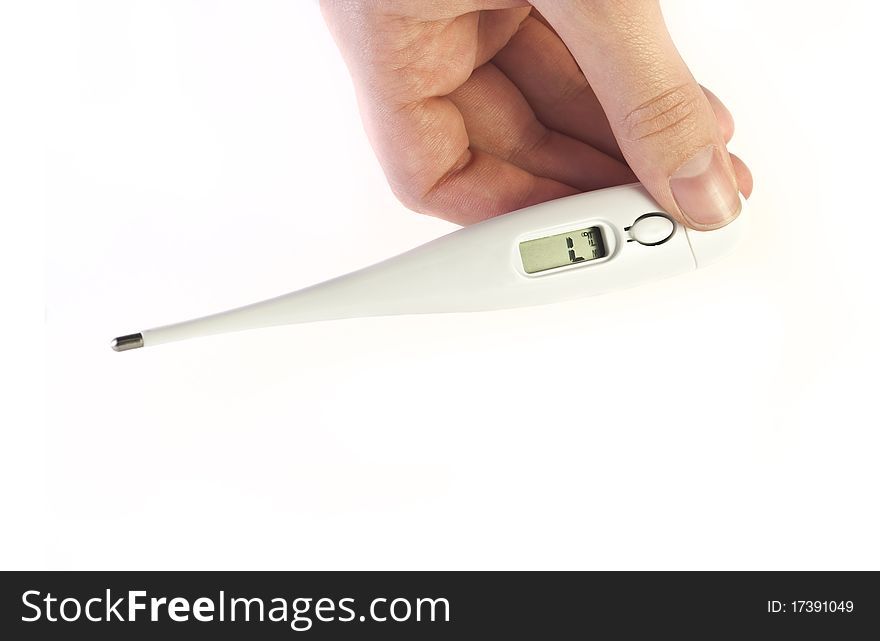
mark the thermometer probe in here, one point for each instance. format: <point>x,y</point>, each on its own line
<point>576,246</point>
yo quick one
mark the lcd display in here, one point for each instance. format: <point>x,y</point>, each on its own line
<point>559,250</point>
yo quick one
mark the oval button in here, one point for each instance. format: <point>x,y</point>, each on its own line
<point>652,229</point>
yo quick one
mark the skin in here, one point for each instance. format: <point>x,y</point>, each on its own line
<point>476,108</point>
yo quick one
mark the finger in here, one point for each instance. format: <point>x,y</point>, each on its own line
<point>743,176</point>
<point>418,135</point>
<point>495,29</point>
<point>542,68</point>
<point>722,115</point>
<point>499,121</point>
<point>482,186</point>
<point>425,151</point>
<point>427,157</point>
<point>662,120</point>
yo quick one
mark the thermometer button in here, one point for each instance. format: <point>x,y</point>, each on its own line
<point>651,229</point>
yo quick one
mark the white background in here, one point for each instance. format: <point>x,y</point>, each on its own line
<point>161,160</point>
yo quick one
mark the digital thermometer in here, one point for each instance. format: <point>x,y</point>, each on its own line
<point>577,246</point>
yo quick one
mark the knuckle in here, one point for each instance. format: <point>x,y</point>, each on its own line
<point>408,196</point>
<point>672,113</point>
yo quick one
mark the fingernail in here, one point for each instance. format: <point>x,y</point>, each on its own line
<point>704,191</point>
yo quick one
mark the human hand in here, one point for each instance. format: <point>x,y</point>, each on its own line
<point>480,107</point>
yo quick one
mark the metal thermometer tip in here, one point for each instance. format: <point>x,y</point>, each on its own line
<point>127,342</point>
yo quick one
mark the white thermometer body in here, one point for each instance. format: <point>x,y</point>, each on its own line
<point>577,246</point>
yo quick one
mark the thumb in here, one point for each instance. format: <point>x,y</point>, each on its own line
<point>660,116</point>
